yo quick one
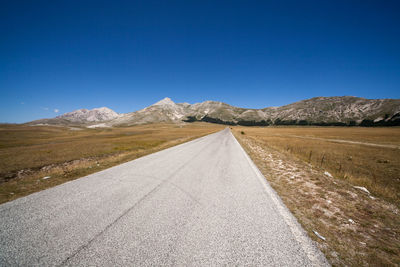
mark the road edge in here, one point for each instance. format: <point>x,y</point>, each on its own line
<point>316,257</point>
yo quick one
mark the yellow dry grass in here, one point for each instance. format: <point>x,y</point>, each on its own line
<point>28,153</point>
<point>368,157</point>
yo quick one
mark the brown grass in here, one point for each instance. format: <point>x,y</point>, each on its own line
<point>29,153</point>
<point>359,230</point>
<point>371,164</point>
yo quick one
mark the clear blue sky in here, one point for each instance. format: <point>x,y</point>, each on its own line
<point>65,55</point>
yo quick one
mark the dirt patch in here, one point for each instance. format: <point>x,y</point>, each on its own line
<point>347,141</point>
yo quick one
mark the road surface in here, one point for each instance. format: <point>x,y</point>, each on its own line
<point>202,203</point>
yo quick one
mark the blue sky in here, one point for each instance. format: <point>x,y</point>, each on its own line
<point>65,55</point>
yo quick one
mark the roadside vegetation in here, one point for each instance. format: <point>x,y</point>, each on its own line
<point>342,184</point>
<point>34,158</point>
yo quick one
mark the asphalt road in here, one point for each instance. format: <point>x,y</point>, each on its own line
<point>200,203</point>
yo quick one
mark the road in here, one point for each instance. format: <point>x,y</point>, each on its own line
<point>202,203</point>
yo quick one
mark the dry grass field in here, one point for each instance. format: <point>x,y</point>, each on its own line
<point>30,153</point>
<point>315,169</point>
<point>368,157</point>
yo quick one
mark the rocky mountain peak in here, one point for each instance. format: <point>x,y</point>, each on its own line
<point>165,102</point>
<point>103,109</point>
<point>93,115</point>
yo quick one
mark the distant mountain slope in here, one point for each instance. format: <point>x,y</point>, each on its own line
<point>82,116</point>
<point>345,110</point>
<point>339,108</point>
<point>163,111</point>
<point>94,115</point>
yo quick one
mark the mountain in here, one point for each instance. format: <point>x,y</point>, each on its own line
<point>336,109</point>
<point>162,111</point>
<point>345,110</point>
<point>93,115</point>
<point>82,116</point>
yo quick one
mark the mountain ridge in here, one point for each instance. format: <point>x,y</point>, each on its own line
<point>337,110</point>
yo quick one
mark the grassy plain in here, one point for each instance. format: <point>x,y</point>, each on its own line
<point>315,169</point>
<point>368,157</point>
<point>29,153</point>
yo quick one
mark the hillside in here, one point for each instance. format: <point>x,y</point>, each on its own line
<point>323,111</point>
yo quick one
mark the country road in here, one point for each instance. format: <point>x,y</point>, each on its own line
<point>202,203</point>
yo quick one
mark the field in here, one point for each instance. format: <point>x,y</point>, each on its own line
<point>315,169</point>
<point>34,158</point>
<point>368,157</point>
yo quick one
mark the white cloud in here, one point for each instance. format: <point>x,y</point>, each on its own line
<point>56,110</point>
<point>22,103</point>
<point>45,108</point>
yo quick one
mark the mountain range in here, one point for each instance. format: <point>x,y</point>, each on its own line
<point>340,111</point>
